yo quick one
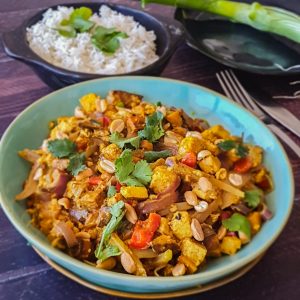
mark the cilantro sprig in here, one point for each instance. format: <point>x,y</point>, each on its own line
<point>61,148</point>
<point>65,148</point>
<point>117,139</point>
<point>238,222</point>
<point>153,128</point>
<point>151,156</point>
<point>111,191</point>
<point>228,145</point>
<point>107,39</point>
<point>104,39</point>
<point>253,197</point>
<point>77,22</point>
<point>128,173</point>
<point>104,249</point>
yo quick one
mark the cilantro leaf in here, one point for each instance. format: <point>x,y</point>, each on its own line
<point>110,250</point>
<point>151,156</point>
<point>238,222</point>
<point>241,151</point>
<point>77,163</point>
<point>82,25</point>
<point>153,129</point>
<point>117,211</point>
<point>61,148</point>
<point>253,197</point>
<point>82,12</point>
<point>227,145</point>
<point>116,138</point>
<point>124,165</point>
<point>66,31</point>
<point>142,172</point>
<point>132,181</point>
<point>127,172</point>
<point>107,39</point>
<point>111,191</point>
<point>78,21</point>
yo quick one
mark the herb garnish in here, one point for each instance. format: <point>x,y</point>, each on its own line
<point>104,249</point>
<point>77,22</point>
<point>253,197</point>
<point>77,163</point>
<point>127,172</point>
<point>111,191</point>
<point>61,148</point>
<point>106,39</point>
<point>151,156</point>
<point>153,129</point>
<point>238,222</point>
<point>117,139</point>
<point>65,148</point>
<point>227,145</point>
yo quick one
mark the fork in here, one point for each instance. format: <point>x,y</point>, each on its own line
<point>236,92</point>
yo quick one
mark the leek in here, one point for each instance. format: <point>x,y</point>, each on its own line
<point>264,18</point>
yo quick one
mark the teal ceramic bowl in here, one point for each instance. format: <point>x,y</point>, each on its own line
<point>30,128</point>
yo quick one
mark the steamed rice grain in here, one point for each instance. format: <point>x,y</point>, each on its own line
<point>79,54</point>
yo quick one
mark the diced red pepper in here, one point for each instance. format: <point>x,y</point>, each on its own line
<point>94,180</point>
<point>243,165</point>
<point>190,159</point>
<point>118,186</point>
<point>225,215</point>
<point>144,231</point>
<point>104,120</point>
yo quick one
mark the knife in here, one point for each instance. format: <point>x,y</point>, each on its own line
<point>276,111</point>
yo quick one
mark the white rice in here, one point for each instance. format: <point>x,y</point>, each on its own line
<point>79,54</point>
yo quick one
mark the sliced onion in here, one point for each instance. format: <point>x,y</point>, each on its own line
<point>59,184</point>
<point>242,208</point>
<point>30,185</point>
<point>163,200</point>
<point>266,214</point>
<point>78,214</point>
<point>68,234</point>
<point>29,155</point>
<point>202,216</point>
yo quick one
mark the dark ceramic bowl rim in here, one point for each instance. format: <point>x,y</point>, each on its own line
<point>27,55</point>
<point>179,16</point>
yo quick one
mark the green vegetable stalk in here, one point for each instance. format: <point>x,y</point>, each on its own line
<point>264,18</point>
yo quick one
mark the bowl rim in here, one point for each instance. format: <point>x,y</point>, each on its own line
<point>31,57</point>
<point>45,247</point>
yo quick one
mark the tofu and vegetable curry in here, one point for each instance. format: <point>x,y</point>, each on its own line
<point>143,188</point>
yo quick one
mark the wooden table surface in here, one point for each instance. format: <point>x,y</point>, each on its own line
<point>23,275</point>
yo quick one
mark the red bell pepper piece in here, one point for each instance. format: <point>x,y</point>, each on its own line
<point>144,231</point>
<point>118,186</point>
<point>190,159</point>
<point>243,165</point>
<point>94,180</point>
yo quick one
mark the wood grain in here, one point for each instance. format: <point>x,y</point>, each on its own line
<point>23,275</point>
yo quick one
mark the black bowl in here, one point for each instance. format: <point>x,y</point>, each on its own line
<point>168,32</point>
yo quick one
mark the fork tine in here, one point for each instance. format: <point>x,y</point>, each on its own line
<point>229,88</point>
<point>241,93</point>
<point>237,97</point>
<point>223,84</point>
<point>247,98</point>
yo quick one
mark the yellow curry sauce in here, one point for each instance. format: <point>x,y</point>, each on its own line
<point>140,188</point>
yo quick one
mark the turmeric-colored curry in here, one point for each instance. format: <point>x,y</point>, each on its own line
<point>145,189</point>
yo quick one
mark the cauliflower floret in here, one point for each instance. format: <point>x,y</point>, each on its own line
<point>181,225</point>
<point>162,179</point>
<point>111,152</point>
<point>88,102</point>
<point>193,250</point>
<point>230,245</point>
